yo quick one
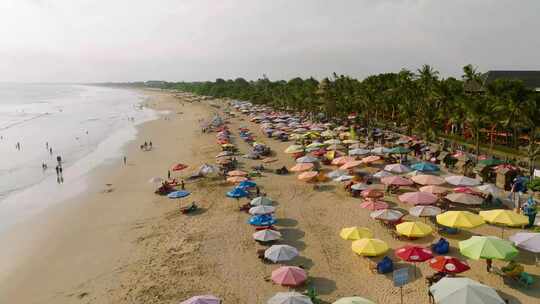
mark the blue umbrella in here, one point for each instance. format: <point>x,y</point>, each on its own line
<point>237,193</point>
<point>262,220</point>
<point>178,194</point>
<point>425,167</point>
<point>246,185</point>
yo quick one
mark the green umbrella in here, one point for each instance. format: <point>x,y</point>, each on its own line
<point>491,162</point>
<point>463,291</point>
<point>399,150</point>
<point>487,247</point>
<point>353,300</point>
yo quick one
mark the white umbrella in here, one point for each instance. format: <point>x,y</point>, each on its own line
<point>463,291</point>
<point>261,209</point>
<point>397,168</point>
<point>380,150</point>
<point>358,151</point>
<point>289,298</point>
<point>343,178</point>
<point>266,235</point>
<point>336,173</point>
<point>382,174</point>
<point>490,189</point>
<point>207,169</point>
<point>460,180</point>
<point>415,173</point>
<point>386,215</point>
<point>359,187</point>
<point>307,159</point>
<point>156,180</point>
<point>464,198</point>
<point>261,200</point>
<point>424,210</point>
<point>279,253</point>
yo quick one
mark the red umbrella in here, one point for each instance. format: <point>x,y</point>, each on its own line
<point>466,190</point>
<point>448,264</point>
<point>179,167</point>
<point>319,152</point>
<point>411,253</point>
<point>374,205</point>
<point>372,193</point>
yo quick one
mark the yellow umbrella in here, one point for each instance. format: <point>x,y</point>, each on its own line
<point>459,219</point>
<point>294,149</point>
<point>355,233</point>
<point>504,217</point>
<point>413,229</point>
<point>369,247</point>
<point>296,136</point>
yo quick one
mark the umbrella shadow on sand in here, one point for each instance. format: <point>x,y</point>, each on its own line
<point>527,257</point>
<point>323,286</point>
<point>293,237</point>
<point>286,222</point>
<point>302,262</point>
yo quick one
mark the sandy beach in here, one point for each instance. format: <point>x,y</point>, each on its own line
<point>129,245</point>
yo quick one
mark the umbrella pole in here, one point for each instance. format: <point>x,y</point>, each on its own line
<point>502,232</point>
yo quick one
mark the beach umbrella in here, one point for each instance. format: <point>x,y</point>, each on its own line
<point>335,148</point>
<point>426,179</point>
<point>527,240</point>
<point>247,184</point>
<point>332,142</point>
<point>466,190</point>
<point>386,215</point>
<point>223,161</point>
<point>433,189</point>
<point>343,178</point>
<point>380,150</point>
<point>336,173</point>
<point>289,276</point>
<point>268,160</point>
<point>490,162</point>
<point>350,165</point>
<point>460,180</point>
<point>451,290</point>
<point>342,160</point>
<point>425,167</point>
<point>280,253</point>
<point>262,220</point>
<point>418,198</point>
<point>490,189</point>
<point>355,233</point>
<point>464,198</point>
<point>459,219</point>
<point>224,154</point>
<point>261,209</point>
<point>237,193</point>
<point>399,150</point>
<point>307,176</point>
<point>178,194</point>
<point>414,173</point>
<point>414,254</point>
<point>413,229</point>
<point>179,167</point>
<point>328,133</point>
<point>236,173</point>
<point>350,141</point>
<point>487,247</point>
<point>396,180</point>
<point>353,300</point>
<point>448,264</point>
<point>382,174</point>
<point>307,159</point>
<point>359,187</point>
<point>397,168</point>
<point>358,152</point>
<point>373,205</point>
<point>261,201</point>
<point>369,247</point>
<point>156,180</point>
<point>424,210</point>
<point>372,193</point>
<point>504,217</point>
<point>301,167</point>
<point>236,179</point>
<point>315,145</point>
<point>294,149</point>
<point>206,169</point>
<point>289,298</point>
<point>206,299</point>
<point>266,235</point>
<point>370,159</point>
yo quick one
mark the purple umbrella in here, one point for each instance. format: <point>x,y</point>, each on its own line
<point>527,240</point>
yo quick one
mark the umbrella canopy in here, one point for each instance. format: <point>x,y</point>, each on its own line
<point>386,215</point>
<point>261,200</point>
<point>489,189</point>
<point>236,179</point>
<point>289,298</point>
<point>426,179</point>
<point>206,169</point>
<point>315,145</point>
<point>307,176</point>
<point>399,150</point>
<point>178,194</point>
<point>302,167</point>
<point>487,247</point>
<point>413,229</point>
<point>237,193</point>
<point>355,233</point>
<point>448,264</point>
<point>224,153</point>
<point>261,209</point>
<point>353,300</point>
<point>236,173</point>
<point>370,159</point>
<point>294,149</point>
<point>411,253</point>
<point>269,160</point>
<point>396,180</point>
<point>397,168</point>
<point>425,167</point>
<point>342,160</point>
<point>433,189</point>
<point>207,299</point>
<point>333,142</point>
<point>289,276</point>
<point>279,253</point>
<point>460,180</point>
<point>350,141</point>
<point>262,220</point>
<point>369,247</point>
<point>424,210</point>
<point>336,173</point>
<point>372,193</point>
<point>373,205</point>
<point>490,162</point>
<point>359,187</point>
<point>382,174</point>
<point>343,178</point>
<point>463,291</point>
<point>504,217</point>
<point>179,167</point>
<point>380,150</point>
<point>351,164</point>
<point>247,184</point>
<point>464,198</point>
<point>459,219</point>
<point>358,152</point>
<point>307,159</point>
<point>418,198</point>
<point>266,235</point>
<point>467,190</point>
<point>527,240</point>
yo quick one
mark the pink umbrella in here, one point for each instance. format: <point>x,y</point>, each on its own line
<point>426,179</point>
<point>342,160</point>
<point>418,198</point>
<point>433,189</point>
<point>373,205</point>
<point>289,276</point>
<point>370,159</point>
<point>208,299</point>
<point>396,180</point>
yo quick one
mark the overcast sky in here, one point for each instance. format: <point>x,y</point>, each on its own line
<point>128,40</point>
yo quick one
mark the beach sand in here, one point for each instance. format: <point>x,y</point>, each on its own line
<point>132,246</point>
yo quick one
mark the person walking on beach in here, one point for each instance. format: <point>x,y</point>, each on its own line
<point>150,144</point>
<point>489,263</point>
<point>125,159</point>
<point>182,185</point>
<point>50,151</point>
<point>168,174</point>
<point>47,146</point>
<point>18,146</point>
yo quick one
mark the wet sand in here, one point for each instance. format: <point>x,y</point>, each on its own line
<point>131,246</point>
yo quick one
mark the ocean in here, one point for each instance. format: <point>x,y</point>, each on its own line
<point>84,125</point>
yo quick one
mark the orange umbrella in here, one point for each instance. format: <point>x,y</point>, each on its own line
<point>434,189</point>
<point>307,176</point>
<point>236,179</point>
<point>342,160</point>
<point>179,167</point>
<point>237,173</point>
<point>370,159</point>
<point>350,165</point>
<point>222,161</point>
<point>372,193</point>
<point>426,179</point>
<point>301,167</point>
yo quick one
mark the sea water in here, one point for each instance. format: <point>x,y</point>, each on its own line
<point>84,125</point>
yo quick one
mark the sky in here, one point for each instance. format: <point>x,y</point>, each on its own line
<point>192,40</point>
